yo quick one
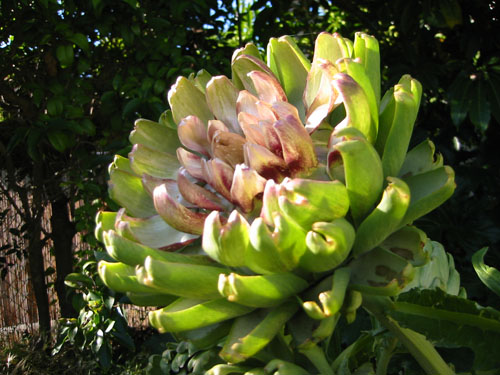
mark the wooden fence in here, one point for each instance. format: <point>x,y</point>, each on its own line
<point>18,310</point>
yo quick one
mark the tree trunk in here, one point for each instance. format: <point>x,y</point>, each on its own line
<point>62,235</point>
<point>37,276</point>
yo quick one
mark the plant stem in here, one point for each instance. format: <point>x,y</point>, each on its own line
<point>316,355</point>
<point>385,357</point>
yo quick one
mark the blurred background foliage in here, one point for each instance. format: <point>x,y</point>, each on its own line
<point>75,74</point>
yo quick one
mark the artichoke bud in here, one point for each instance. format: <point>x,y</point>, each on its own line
<point>226,242</point>
<point>328,245</point>
<point>308,201</point>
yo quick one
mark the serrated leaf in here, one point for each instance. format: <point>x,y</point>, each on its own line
<point>452,321</point>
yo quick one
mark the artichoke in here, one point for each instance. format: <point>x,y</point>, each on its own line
<point>285,193</point>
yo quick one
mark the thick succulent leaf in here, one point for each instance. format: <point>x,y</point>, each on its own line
<point>397,119</point>
<point>127,190</point>
<point>195,281</point>
<point>166,200</point>
<point>260,290</point>
<point>155,136</point>
<point>228,370</point>
<point>166,119</point>
<point>206,337</point>
<point>354,160</point>
<point>121,278</point>
<point>366,48</point>
<point>244,64</point>
<point>150,299</point>
<point>186,99</point>
<point>357,71</point>
<point>451,321</point>
<point>380,272</point>
<point>252,332</point>
<point>221,98</point>
<point>291,67</point>
<point>226,242</point>
<point>328,245</point>
<point>133,253</point>
<point>280,367</point>
<point>104,221</point>
<point>277,250</point>
<point>152,232</point>
<point>144,160</point>
<point>330,47</point>
<point>490,276</point>
<point>428,191</point>
<point>408,242</point>
<point>201,79</point>
<point>357,106</point>
<point>385,218</point>
<point>187,314</point>
<point>308,201</point>
<point>249,49</point>
<point>333,299</point>
<point>421,159</point>
<point>219,175</point>
<point>191,162</point>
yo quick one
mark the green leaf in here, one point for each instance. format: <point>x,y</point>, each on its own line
<point>65,55</point>
<point>252,332</point>
<point>490,276</point>
<point>452,321</point>
<point>121,278</point>
<point>144,160</point>
<point>460,97</point>
<point>493,86</point>
<point>81,41</point>
<point>155,136</point>
<point>60,140</point>
<point>479,113</point>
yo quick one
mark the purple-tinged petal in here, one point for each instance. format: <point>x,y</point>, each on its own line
<point>193,135</point>
<point>247,184</point>
<point>213,127</point>
<point>152,231</point>
<point>282,110</point>
<point>219,175</point>
<point>267,87</point>
<point>228,147</point>
<point>221,98</point>
<point>250,125</point>
<point>166,199</point>
<point>151,182</point>
<point>320,94</point>
<point>196,194</point>
<point>298,149</point>
<point>249,103</point>
<point>192,163</point>
<point>244,64</point>
<point>267,164</point>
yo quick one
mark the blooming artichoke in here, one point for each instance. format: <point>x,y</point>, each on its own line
<point>284,193</point>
